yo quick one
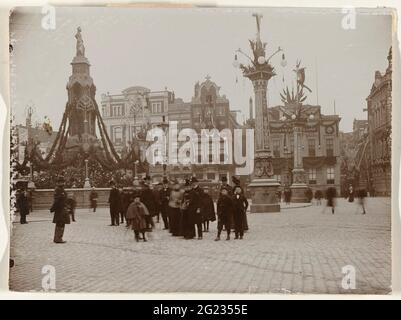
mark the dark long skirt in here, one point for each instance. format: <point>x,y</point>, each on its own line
<point>187,225</point>
<point>175,221</point>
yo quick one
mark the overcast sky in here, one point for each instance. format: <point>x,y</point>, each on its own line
<point>174,48</point>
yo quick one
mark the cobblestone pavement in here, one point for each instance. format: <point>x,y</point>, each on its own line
<point>300,250</point>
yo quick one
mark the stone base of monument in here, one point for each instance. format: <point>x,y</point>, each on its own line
<point>298,193</point>
<point>264,195</point>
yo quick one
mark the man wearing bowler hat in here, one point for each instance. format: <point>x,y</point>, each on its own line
<point>61,216</point>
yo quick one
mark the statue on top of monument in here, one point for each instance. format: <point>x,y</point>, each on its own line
<point>80,43</point>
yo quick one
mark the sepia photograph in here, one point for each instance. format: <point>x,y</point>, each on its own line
<point>201,150</point>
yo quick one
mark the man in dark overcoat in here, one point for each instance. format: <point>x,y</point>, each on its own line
<point>61,216</point>
<point>240,204</point>
<point>23,205</point>
<point>164,200</point>
<point>149,200</point>
<point>225,210</point>
<point>115,204</point>
<point>196,204</point>
<point>93,199</point>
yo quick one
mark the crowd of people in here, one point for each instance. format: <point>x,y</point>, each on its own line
<point>185,209</point>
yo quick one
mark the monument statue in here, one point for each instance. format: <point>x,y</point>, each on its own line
<point>80,43</point>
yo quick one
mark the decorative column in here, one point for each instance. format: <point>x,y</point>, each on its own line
<point>299,186</point>
<point>263,186</point>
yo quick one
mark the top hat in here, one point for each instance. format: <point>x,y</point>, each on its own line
<point>194,180</point>
<point>224,179</point>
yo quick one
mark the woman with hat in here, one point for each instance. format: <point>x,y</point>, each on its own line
<point>136,217</point>
<point>61,216</point>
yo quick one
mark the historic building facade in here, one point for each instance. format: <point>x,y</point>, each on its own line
<point>128,115</point>
<point>379,105</point>
<point>132,111</point>
<point>354,156</point>
<point>319,146</point>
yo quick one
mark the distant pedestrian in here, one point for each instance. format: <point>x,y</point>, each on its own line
<point>351,194</point>
<point>225,210</point>
<point>240,204</point>
<point>71,204</point>
<point>361,199</point>
<point>121,206</point>
<point>61,216</point>
<point>309,194</point>
<point>287,195</point>
<point>115,204</point>
<point>22,205</point>
<point>136,217</point>
<point>318,197</point>
<point>126,199</point>
<point>331,194</point>
<point>93,199</point>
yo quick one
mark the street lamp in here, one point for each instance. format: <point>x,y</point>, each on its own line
<point>87,181</point>
<point>164,126</point>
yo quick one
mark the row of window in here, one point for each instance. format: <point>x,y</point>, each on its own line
<point>118,110</point>
<point>379,114</point>
<point>330,176</point>
<point>311,147</point>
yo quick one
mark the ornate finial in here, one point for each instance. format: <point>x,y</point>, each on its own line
<point>80,43</point>
<point>208,77</point>
<point>258,16</point>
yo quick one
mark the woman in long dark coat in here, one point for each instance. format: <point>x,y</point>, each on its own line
<point>240,204</point>
<point>174,213</point>
<point>207,209</point>
<point>61,216</point>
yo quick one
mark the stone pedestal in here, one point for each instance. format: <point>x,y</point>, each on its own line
<point>299,187</point>
<point>264,195</point>
<point>87,183</point>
